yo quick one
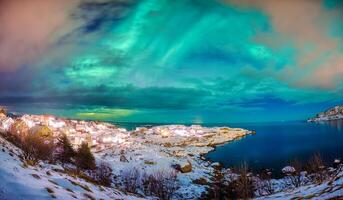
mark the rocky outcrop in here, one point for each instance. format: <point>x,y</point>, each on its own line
<point>331,114</point>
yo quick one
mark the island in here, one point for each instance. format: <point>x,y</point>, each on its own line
<point>334,113</point>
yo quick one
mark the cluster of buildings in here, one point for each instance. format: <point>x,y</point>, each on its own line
<point>102,135</point>
<point>182,130</point>
<point>97,134</point>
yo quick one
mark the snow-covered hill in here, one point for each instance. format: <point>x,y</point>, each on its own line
<point>332,189</point>
<point>21,182</point>
<point>331,114</point>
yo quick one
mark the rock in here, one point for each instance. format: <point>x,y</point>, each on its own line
<point>167,144</point>
<point>200,181</point>
<point>176,167</point>
<point>288,170</point>
<point>186,168</point>
<point>123,158</point>
<point>217,166</point>
<point>147,162</point>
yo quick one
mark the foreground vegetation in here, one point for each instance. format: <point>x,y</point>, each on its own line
<point>241,183</point>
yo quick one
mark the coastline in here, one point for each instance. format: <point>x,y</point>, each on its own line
<point>147,149</point>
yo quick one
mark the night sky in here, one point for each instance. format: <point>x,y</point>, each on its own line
<point>183,61</point>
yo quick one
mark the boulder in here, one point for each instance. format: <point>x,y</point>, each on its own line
<point>217,166</point>
<point>186,168</point>
<point>123,158</point>
<point>200,181</point>
<point>288,170</point>
<point>148,162</point>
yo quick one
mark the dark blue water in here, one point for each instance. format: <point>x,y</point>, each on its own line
<point>275,144</point>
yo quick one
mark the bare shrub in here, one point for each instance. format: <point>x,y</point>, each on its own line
<point>162,184</point>
<point>243,186</point>
<point>265,184</point>
<point>295,178</point>
<point>130,179</point>
<point>19,129</point>
<point>217,189</point>
<point>317,169</point>
<point>103,174</point>
<point>36,148</point>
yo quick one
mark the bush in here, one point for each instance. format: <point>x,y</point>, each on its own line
<point>217,190</point>
<point>265,185</point>
<point>3,111</point>
<point>162,184</point>
<point>19,129</point>
<point>243,186</point>
<point>36,148</point>
<point>131,180</point>
<point>65,152</point>
<point>317,169</point>
<point>295,178</point>
<point>84,158</point>
<point>103,174</point>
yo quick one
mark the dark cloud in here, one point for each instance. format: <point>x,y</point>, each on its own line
<point>124,97</point>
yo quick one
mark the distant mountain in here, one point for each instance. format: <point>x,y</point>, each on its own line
<point>331,114</point>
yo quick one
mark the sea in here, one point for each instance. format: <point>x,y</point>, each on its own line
<point>275,145</point>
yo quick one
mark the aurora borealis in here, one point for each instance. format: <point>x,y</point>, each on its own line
<point>185,61</point>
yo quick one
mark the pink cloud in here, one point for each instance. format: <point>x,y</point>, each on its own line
<point>29,28</point>
<point>306,24</point>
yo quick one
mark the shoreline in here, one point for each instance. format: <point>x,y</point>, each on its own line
<point>148,149</point>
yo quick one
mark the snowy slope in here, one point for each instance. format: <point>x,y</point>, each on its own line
<point>44,182</point>
<point>328,190</point>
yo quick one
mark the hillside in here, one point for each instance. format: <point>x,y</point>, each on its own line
<point>19,181</point>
